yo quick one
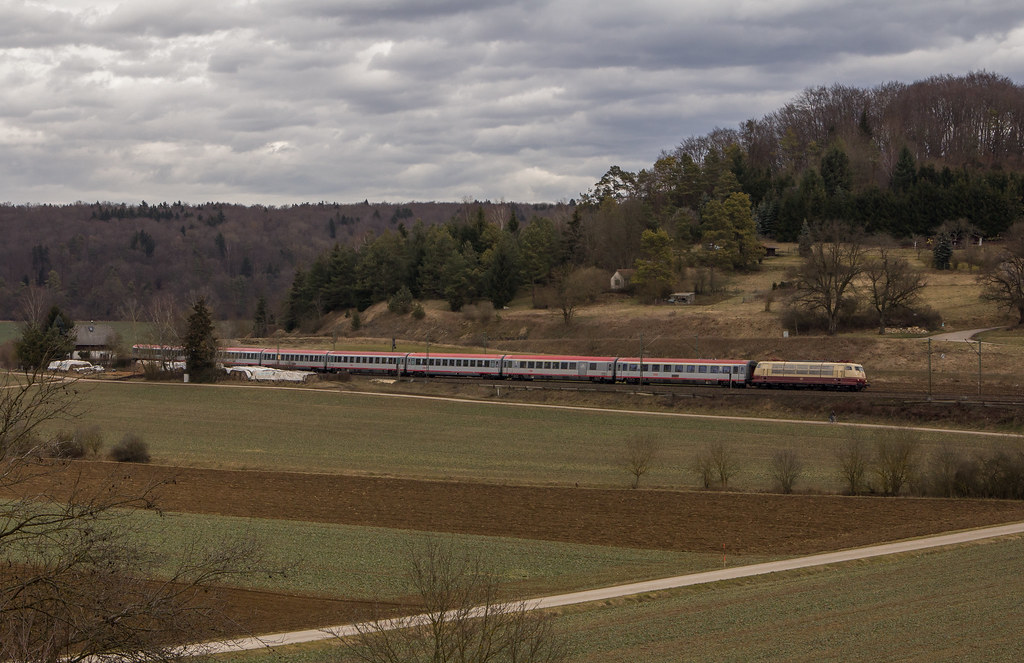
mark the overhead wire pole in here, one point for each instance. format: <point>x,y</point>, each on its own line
<point>929,369</point>
<point>979,365</point>
<point>641,360</point>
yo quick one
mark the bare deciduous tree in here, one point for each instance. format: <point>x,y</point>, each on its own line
<point>892,284</point>
<point>725,463</point>
<point>76,580</point>
<point>895,459</point>
<point>852,463</point>
<point>703,467</point>
<point>786,467</point>
<point>1003,280</point>
<point>827,275</point>
<point>574,287</point>
<point>464,619</point>
<point>640,453</point>
<point>715,462</point>
<point>166,326</point>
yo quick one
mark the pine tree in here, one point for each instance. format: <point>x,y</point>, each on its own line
<point>41,343</point>
<point>503,274</point>
<point>654,276</point>
<point>261,321</point>
<point>200,344</point>
<point>942,252</point>
<point>804,240</point>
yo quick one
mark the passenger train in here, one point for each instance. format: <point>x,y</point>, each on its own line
<point>637,370</point>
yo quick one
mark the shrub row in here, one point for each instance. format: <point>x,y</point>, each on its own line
<point>87,442</point>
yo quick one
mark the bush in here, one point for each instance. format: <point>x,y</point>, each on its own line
<point>418,312</point>
<point>401,302</point>
<point>131,449</point>
<point>64,445</point>
<point>852,460</point>
<point>481,312</point>
<point>157,371</point>
<point>357,321</point>
<point>785,468</point>
<point>90,439</point>
<point>896,459</point>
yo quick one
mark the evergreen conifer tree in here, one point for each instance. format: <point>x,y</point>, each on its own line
<point>942,253</point>
<point>200,344</point>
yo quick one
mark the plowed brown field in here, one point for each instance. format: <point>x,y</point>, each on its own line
<point>696,521</point>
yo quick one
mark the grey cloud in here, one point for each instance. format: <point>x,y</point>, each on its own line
<point>318,99</point>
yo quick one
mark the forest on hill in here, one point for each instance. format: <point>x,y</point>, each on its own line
<point>900,159</point>
<point>940,157</point>
<point>113,260</point>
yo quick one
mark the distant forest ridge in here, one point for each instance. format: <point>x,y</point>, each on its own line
<point>901,159</point>
<point>112,260</point>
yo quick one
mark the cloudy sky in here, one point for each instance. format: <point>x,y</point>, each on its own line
<point>284,101</point>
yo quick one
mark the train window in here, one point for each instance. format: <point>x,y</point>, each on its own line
<point>702,369</point>
<point>593,366</point>
<point>565,365</point>
<point>691,369</point>
<point>714,369</point>
<point>737,369</point>
<point>572,366</point>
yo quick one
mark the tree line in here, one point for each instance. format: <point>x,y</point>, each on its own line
<point>894,159</point>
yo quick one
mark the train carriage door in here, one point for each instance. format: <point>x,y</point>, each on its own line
<point>582,368</point>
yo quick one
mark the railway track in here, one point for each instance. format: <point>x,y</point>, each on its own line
<point>869,396</point>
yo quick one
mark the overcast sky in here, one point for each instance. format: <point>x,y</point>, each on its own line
<point>287,101</point>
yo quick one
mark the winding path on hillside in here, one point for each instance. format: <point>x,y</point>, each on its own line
<point>618,591</point>
<point>963,336</point>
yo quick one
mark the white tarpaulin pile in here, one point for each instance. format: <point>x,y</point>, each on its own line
<point>76,365</point>
<point>264,374</point>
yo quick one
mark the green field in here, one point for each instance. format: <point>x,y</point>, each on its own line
<point>337,432</point>
<point>957,604</point>
<point>891,609</point>
<point>369,563</point>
